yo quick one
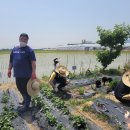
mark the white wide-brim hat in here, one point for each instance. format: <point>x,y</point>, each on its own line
<point>33,87</point>
<point>126,78</point>
<point>62,70</point>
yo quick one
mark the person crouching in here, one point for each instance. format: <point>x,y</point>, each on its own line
<point>122,90</point>
<point>58,78</point>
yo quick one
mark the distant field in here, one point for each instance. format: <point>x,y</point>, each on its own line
<point>59,51</point>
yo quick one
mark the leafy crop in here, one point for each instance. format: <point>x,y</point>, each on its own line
<point>5,118</point>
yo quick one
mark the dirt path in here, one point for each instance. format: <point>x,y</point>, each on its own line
<point>91,117</point>
<point>31,125</point>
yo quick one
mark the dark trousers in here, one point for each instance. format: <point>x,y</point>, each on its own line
<point>61,84</point>
<point>21,84</point>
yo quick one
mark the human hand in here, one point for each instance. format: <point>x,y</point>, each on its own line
<point>33,76</point>
<point>67,81</point>
<point>127,117</point>
<point>9,73</point>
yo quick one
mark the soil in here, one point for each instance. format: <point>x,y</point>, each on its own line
<point>78,110</point>
<point>91,116</point>
<point>26,116</point>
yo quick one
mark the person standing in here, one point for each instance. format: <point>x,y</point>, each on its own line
<point>23,62</point>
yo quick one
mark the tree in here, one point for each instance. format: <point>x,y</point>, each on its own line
<point>113,40</point>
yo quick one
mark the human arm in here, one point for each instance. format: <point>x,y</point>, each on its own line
<point>33,64</point>
<point>10,65</point>
<point>51,79</point>
<point>33,76</point>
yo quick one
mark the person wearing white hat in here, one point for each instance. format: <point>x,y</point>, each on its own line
<point>58,78</point>
<point>122,90</point>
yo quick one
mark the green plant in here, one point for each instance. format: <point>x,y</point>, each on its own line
<point>78,122</point>
<point>45,108</point>
<point>72,76</point>
<point>44,77</point>
<point>51,119</point>
<point>102,116</point>
<point>38,102</point>
<point>113,84</point>
<point>75,102</point>
<point>49,94</point>
<point>81,90</point>
<point>5,97</point>
<point>126,67</point>
<point>87,108</point>
<point>59,103</point>
<point>6,117</point>
<point>60,127</point>
<point>66,111</point>
<point>111,72</point>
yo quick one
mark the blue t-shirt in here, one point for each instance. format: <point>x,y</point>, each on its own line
<point>21,59</point>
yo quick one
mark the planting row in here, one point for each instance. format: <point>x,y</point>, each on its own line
<point>9,118</point>
<point>60,110</point>
<point>45,118</point>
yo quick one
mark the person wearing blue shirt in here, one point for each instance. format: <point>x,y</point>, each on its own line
<point>23,62</point>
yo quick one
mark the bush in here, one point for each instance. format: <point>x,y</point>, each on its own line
<point>113,84</point>
<point>126,67</point>
<point>111,72</point>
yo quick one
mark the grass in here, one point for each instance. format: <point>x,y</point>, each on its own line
<point>76,102</point>
<point>81,90</point>
<point>87,108</point>
<point>45,78</point>
<point>99,116</point>
<point>111,72</point>
<point>102,116</point>
<point>5,52</point>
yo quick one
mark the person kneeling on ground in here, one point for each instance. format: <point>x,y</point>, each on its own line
<point>122,90</point>
<point>58,78</point>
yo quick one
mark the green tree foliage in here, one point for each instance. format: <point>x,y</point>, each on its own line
<point>113,40</point>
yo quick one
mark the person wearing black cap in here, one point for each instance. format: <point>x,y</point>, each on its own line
<point>23,62</point>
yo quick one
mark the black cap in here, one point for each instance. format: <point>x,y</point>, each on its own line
<point>24,35</point>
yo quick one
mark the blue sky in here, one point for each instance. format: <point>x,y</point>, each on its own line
<point>53,22</point>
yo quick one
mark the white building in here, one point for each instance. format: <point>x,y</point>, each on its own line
<point>85,45</point>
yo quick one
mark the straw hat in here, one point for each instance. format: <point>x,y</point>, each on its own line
<point>126,78</point>
<point>33,87</point>
<point>62,70</point>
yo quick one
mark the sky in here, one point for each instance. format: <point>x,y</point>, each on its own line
<point>57,22</point>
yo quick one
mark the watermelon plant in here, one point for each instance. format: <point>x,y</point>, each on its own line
<point>60,127</point>
<point>51,119</point>
<point>5,97</point>
<point>78,122</point>
<point>6,117</point>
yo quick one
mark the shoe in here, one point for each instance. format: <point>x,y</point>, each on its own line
<point>21,103</point>
<point>23,108</point>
